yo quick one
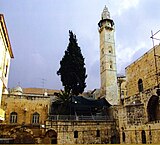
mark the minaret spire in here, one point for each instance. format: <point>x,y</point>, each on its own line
<point>105,13</point>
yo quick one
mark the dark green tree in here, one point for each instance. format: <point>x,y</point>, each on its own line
<point>72,68</point>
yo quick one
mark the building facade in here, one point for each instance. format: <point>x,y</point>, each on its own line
<point>108,70</point>
<point>28,120</point>
<point>5,56</point>
<point>139,119</point>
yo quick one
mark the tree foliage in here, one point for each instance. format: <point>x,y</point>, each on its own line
<point>72,68</point>
<point>61,106</point>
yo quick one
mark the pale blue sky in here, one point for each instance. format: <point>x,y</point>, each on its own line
<point>38,31</point>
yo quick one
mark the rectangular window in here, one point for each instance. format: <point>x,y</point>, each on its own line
<point>75,134</point>
<point>13,117</point>
<point>98,133</point>
<point>35,118</point>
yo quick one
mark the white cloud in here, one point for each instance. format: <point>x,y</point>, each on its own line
<point>122,6</point>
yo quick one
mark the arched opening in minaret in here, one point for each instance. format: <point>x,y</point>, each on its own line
<point>111,65</point>
<point>110,49</point>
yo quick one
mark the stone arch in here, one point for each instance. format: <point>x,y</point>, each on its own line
<point>152,108</point>
<point>50,137</point>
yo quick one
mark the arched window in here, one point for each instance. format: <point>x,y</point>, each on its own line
<point>13,117</point>
<point>110,49</point>
<point>76,134</point>
<point>35,118</point>
<point>140,85</point>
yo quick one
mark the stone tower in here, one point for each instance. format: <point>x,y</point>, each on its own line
<point>108,69</point>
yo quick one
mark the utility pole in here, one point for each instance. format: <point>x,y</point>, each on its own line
<point>155,56</point>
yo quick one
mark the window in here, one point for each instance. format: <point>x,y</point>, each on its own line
<point>123,136</point>
<point>35,118</point>
<point>13,117</point>
<point>111,65</point>
<point>110,49</point>
<point>102,50</point>
<point>143,135</point>
<point>76,134</point>
<point>98,133</point>
<point>6,70</point>
<point>140,85</point>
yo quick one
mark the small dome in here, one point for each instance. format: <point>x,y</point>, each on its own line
<point>17,90</point>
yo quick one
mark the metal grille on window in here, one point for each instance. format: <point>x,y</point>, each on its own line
<point>13,117</point>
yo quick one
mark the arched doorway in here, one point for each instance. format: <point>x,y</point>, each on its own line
<point>50,137</point>
<point>152,108</point>
<point>143,135</point>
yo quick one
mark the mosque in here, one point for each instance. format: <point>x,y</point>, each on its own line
<point>126,109</point>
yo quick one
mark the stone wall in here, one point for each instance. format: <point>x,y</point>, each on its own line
<point>139,117</point>
<point>89,132</point>
<point>144,68</point>
<point>25,106</point>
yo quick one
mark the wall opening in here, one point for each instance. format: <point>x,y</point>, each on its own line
<point>143,134</point>
<point>153,108</point>
<point>140,85</point>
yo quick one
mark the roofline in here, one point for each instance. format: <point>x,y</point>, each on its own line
<point>142,56</point>
<point>4,29</point>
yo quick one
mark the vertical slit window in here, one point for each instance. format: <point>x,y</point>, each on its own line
<point>140,85</point>
<point>76,134</point>
<point>98,133</point>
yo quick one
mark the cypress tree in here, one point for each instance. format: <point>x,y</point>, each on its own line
<point>72,68</point>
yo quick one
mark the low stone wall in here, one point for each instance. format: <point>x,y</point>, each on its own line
<point>83,132</point>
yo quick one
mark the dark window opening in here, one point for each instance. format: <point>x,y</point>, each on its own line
<point>143,134</point>
<point>75,134</point>
<point>140,85</point>
<point>153,108</point>
<point>98,133</point>
<point>123,137</point>
<point>6,70</point>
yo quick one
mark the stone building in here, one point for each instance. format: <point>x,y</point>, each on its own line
<point>5,56</point>
<point>122,89</point>
<point>133,118</point>
<point>139,116</point>
<point>28,120</point>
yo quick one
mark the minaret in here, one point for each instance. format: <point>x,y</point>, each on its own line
<point>108,69</point>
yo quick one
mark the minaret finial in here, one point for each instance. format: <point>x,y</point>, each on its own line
<point>105,13</point>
